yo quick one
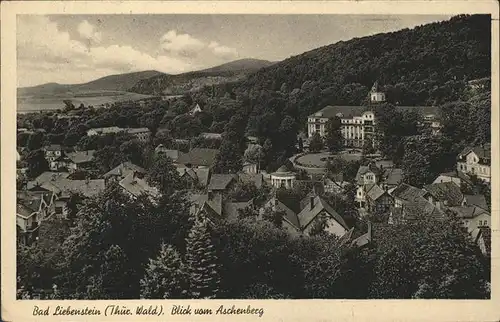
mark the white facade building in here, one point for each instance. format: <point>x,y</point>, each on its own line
<point>282,178</point>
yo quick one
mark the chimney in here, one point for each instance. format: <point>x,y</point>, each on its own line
<point>311,199</point>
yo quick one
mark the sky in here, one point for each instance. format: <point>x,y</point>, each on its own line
<point>72,49</point>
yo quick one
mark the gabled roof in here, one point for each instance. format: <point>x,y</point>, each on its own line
<point>87,188</point>
<point>138,186</point>
<point>289,216</point>
<point>198,157</point>
<point>220,181</point>
<point>447,192</point>
<point>231,209</point>
<point>202,200</point>
<point>374,191</point>
<point>468,212</point>
<point>364,239</point>
<point>45,177</point>
<point>482,152</point>
<point>172,154</point>
<point>406,192</point>
<point>256,179</point>
<point>363,170</point>
<point>307,215</point>
<point>457,174</point>
<point>477,200</point>
<point>81,156</point>
<point>124,169</point>
<point>421,207</point>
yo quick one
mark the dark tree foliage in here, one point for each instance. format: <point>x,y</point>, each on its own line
<point>36,162</point>
<point>316,143</point>
<point>333,139</point>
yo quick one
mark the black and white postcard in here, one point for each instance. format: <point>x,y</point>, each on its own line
<point>209,161</point>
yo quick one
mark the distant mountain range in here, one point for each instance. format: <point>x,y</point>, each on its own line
<point>151,81</point>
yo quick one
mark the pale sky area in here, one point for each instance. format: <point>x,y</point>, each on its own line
<point>70,49</point>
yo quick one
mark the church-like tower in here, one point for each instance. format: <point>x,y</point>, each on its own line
<point>376,96</point>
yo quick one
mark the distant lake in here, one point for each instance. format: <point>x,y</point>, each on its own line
<point>34,104</point>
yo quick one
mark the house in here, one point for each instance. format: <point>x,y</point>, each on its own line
<point>194,178</point>
<point>211,136</point>
<point>79,160</point>
<point>404,193</point>
<point>52,153</point>
<point>135,186</point>
<point>250,167</point>
<point>318,209</point>
<point>31,209</point>
<point>122,170</point>
<point>195,110</point>
<point>457,177</point>
<point>482,238</point>
<point>162,150</point>
<point>364,239</point>
<point>290,219</point>
<point>141,134</point>
<point>209,205</point>
<point>282,178</point>
<point>104,130</point>
<point>378,199</point>
<point>376,96</point>
<point>476,200</point>
<point>414,208</point>
<point>472,217</point>
<point>257,179</point>
<point>476,161</point>
<point>231,210</point>
<point>369,174</point>
<point>46,176</point>
<point>221,183</point>
<point>335,184</point>
<point>198,158</point>
<point>444,194</point>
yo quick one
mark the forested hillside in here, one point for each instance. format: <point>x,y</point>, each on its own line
<point>192,81</point>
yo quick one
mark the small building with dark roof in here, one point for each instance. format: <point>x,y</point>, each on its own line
<point>198,157</point>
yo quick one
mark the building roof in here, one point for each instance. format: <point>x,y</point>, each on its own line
<point>256,178</point>
<point>468,212</point>
<point>81,156</point>
<point>477,200</point>
<point>87,188</point>
<point>214,136</point>
<point>45,177</point>
<point>231,209</point>
<point>363,170</point>
<point>457,174</point>
<point>137,186</point>
<point>351,111</point>
<point>307,215</point>
<point>107,130</point>
<point>220,181</point>
<point>374,191</point>
<point>283,172</point>
<point>202,174</point>
<point>364,239</point>
<point>53,147</point>
<point>172,154</point>
<point>198,157</point>
<point>483,153</point>
<point>447,192</point>
<point>137,130</point>
<point>406,192</point>
<point>214,201</point>
<point>124,169</point>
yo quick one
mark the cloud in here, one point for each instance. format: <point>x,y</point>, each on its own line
<point>86,31</point>
<point>222,51</point>
<point>181,44</point>
<point>185,45</point>
<point>48,54</point>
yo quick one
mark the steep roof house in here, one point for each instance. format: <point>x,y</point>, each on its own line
<point>198,157</point>
<point>122,170</point>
